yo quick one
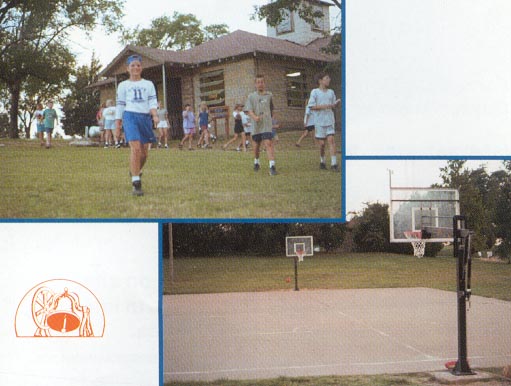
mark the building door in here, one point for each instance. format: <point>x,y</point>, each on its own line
<point>175,108</point>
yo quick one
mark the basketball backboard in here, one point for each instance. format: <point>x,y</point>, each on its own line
<point>299,244</point>
<point>427,213</point>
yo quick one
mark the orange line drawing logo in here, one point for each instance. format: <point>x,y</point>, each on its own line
<point>59,308</point>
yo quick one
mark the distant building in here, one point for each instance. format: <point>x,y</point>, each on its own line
<point>221,72</point>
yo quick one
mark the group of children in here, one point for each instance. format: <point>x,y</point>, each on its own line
<point>138,112</point>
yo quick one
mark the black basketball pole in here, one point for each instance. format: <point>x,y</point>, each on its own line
<point>296,273</point>
<point>462,253</point>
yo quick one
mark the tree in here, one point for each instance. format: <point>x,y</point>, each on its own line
<point>500,193</point>
<point>371,233</point>
<point>181,32</point>
<point>40,90</point>
<point>81,104</point>
<point>33,43</point>
<point>472,185</point>
<point>275,11</point>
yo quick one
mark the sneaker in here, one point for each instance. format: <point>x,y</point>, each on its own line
<point>257,167</point>
<point>322,166</point>
<point>334,168</point>
<point>273,171</point>
<point>159,145</point>
<point>117,145</point>
<point>106,145</point>
<point>137,188</point>
<point>166,146</point>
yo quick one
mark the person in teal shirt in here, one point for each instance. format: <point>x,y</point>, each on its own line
<point>50,118</point>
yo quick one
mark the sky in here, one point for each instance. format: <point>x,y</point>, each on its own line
<point>236,14</point>
<point>367,181</point>
<point>428,77</point>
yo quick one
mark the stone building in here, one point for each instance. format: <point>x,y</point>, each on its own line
<point>221,72</point>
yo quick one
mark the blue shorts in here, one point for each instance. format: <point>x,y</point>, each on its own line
<point>138,127</point>
<point>262,136</point>
<point>40,128</point>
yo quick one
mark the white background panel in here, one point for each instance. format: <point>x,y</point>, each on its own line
<point>118,263</point>
<point>428,77</point>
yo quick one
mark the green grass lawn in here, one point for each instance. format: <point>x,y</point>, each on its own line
<point>416,379</point>
<point>72,182</point>
<point>332,271</point>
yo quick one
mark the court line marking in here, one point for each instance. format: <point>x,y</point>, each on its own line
<point>384,334</point>
<point>341,364</point>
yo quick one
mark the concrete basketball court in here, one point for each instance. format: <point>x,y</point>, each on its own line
<point>327,332</point>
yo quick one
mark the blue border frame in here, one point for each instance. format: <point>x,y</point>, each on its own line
<point>343,111</point>
<point>160,301</point>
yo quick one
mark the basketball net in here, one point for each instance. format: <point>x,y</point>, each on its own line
<point>419,245</point>
<point>300,254</point>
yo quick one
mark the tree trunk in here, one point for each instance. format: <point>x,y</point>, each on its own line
<point>15,90</point>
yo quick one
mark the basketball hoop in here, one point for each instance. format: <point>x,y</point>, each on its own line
<point>299,254</point>
<point>419,245</point>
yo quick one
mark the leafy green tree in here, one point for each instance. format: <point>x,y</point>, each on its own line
<point>81,104</point>
<point>500,193</point>
<point>181,32</point>
<point>325,235</point>
<point>473,188</point>
<point>33,41</point>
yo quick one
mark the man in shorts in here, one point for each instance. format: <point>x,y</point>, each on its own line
<point>260,108</point>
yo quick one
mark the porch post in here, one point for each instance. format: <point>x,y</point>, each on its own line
<point>164,79</point>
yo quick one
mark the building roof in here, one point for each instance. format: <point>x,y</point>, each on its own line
<point>237,43</point>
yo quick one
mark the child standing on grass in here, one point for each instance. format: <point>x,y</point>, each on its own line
<point>136,105</point>
<point>322,102</point>
<point>50,118</point>
<point>188,126</point>
<point>163,126</point>
<point>39,116</point>
<point>238,127</point>
<point>109,116</point>
<point>247,128</point>
<point>203,124</point>
<point>260,108</point>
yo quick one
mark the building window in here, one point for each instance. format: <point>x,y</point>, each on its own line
<point>319,22</point>
<point>286,25</point>
<point>212,88</point>
<point>296,88</point>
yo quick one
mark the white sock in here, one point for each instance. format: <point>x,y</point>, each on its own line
<point>135,178</point>
<point>322,160</point>
<point>256,161</point>
<point>334,160</point>
<point>272,164</point>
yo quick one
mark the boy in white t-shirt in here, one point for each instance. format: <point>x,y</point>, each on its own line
<point>136,112</point>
